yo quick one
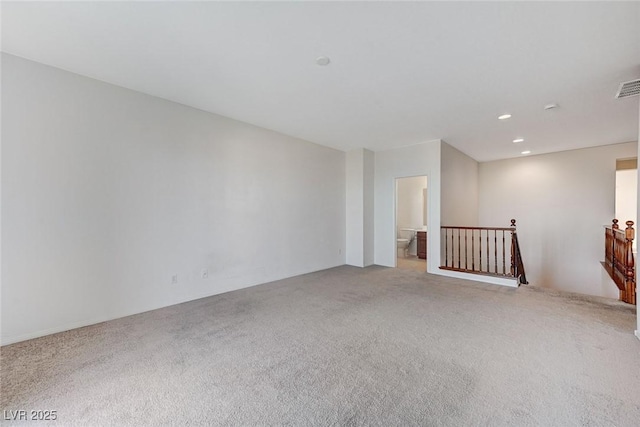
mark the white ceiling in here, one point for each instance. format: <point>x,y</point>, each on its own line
<point>400,73</point>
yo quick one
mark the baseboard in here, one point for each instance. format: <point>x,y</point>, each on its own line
<point>94,321</point>
<point>113,316</point>
<point>61,328</point>
<point>510,282</point>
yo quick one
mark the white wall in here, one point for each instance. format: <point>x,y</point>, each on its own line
<point>359,207</point>
<point>459,188</point>
<point>410,205</point>
<point>638,234</point>
<point>459,197</point>
<point>420,159</point>
<point>354,184</point>
<point>106,193</point>
<point>1,175</point>
<point>626,197</point>
<point>368,199</point>
<point>561,202</point>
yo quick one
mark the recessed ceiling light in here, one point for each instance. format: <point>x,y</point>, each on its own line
<point>322,61</point>
<point>526,152</point>
<point>518,140</point>
<point>504,117</point>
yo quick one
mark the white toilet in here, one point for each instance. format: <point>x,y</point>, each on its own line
<point>404,240</point>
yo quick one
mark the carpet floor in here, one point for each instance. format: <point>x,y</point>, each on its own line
<point>412,263</point>
<point>342,347</point>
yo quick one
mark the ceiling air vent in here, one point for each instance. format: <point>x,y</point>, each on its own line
<point>629,89</point>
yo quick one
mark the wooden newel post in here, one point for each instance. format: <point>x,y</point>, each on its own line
<point>513,249</point>
<point>614,226</point>
<point>629,231</point>
<point>630,287</point>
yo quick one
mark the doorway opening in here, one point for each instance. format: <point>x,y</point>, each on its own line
<point>411,223</point>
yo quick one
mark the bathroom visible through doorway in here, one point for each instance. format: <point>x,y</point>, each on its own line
<point>411,223</point>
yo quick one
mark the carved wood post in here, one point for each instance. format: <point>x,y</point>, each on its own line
<point>513,249</point>
<point>614,227</point>
<point>630,287</point>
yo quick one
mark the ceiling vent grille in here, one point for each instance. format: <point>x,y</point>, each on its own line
<point>629,89</point>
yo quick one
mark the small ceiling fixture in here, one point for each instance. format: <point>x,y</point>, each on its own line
<point>526,152</point>
<point>504,117</point>
<point>518,140</point>
<point>322,61</point>
<point>550,106</point>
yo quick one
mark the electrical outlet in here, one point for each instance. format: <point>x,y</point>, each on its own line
<point>204,273</point>
<point>174,279</point>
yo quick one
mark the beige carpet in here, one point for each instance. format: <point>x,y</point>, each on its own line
<point>412,263</point>
<point>347,347</point>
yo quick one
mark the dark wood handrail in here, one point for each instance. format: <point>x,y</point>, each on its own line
<point>476,228</point>
<point>619,260</point>
<point>483,250</point>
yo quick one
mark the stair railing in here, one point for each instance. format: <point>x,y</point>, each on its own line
<point>619,260</point>
<point>492,251</point>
